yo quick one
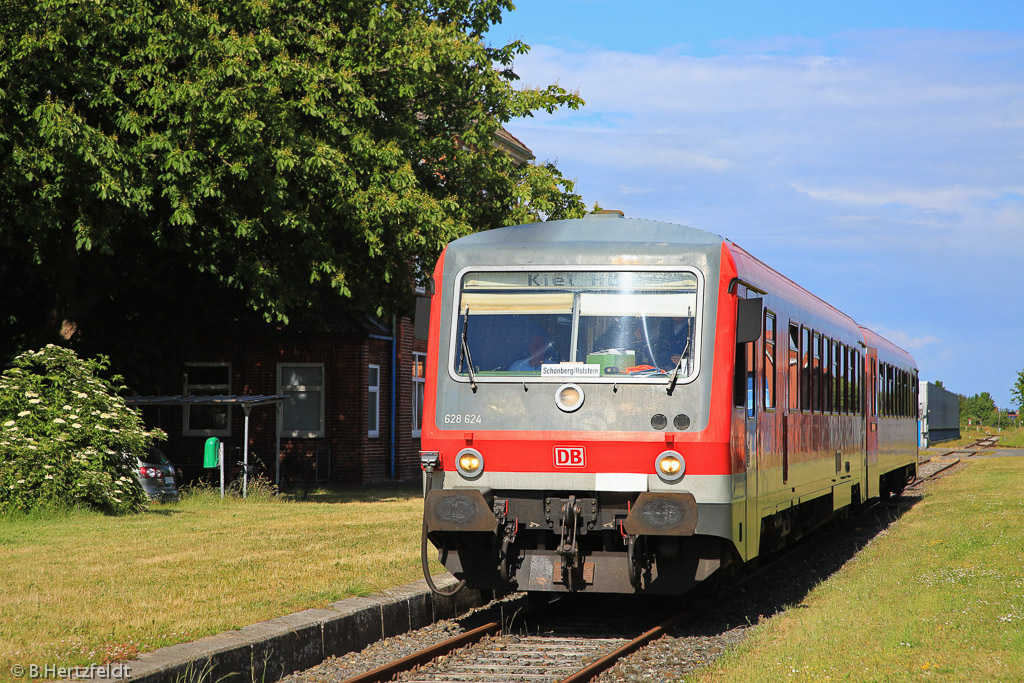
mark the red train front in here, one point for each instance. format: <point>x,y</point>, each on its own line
<point>602,413</point>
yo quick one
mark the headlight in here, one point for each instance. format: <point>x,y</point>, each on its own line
<point>670,466</point>
<point>569,397</point>
<point>469,463</point>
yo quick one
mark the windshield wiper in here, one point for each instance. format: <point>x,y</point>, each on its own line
<point>682,357</point>
<point>467,357</point>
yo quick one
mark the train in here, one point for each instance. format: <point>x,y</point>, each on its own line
<point>615,405</point>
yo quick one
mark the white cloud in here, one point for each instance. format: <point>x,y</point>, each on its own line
<point>905,340</point>
<point>951,199</point>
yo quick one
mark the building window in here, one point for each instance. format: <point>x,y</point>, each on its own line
<point>769,360</point>
<point>419,374</point>
<point>373,403</point>
<point>302,415</point>
<point>207,379</point>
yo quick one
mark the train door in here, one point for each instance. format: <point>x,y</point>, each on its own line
<point>743,435</point>
<point>870,404</point>
<point>752,518</point>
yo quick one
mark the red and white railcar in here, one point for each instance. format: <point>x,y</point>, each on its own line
<point>618,405</point>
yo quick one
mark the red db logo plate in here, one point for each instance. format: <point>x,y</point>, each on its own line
<point>570,456</point>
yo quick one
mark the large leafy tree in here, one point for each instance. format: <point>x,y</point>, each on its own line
<point>273,151</point>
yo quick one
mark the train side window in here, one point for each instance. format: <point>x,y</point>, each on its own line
<point>793,369</point>
<point>816,373</point>
<point>837,378</point>
<point>874,398</point>
<point>901,409</point>
<point>898,410</point>
<point>891,390</point>
<point>856,406</point>
<point>768,378</point>
<point>908,404</point>
<point>847,369</point>
<point>912,398</point>
<point>826,374</point>
<point>882,393</point>
<point>805,369</point>
<point>883,410</point>
<point>842,381</point>
<point>906,394</point>
<point>739,381</point>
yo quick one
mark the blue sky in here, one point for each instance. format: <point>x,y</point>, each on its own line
<point>873,152</point>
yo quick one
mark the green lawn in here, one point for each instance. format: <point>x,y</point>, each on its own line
<point>1009,437</point>
<point>938,597</point>
<point>83,587</point>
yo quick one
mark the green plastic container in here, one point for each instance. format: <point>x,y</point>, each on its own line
<point>211,453</point>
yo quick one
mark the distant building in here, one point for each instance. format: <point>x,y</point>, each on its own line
<point>939,412</point>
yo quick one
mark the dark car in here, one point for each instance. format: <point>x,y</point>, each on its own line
<point>157,476</point>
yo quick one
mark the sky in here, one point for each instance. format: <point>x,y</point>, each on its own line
<point>872,151</point>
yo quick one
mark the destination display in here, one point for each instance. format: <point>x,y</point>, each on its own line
<point>570,370</point>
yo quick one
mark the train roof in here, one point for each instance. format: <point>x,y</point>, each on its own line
<point>600,232</point>
<point>620,238</point>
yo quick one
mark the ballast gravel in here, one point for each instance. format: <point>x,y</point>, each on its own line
<point>689,646</point>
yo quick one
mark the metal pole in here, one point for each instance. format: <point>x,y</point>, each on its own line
<point>221,449</point>
<point>277,468</point>
<point>245,454</point>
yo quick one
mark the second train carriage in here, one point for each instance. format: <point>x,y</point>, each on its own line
<point>618,405</point>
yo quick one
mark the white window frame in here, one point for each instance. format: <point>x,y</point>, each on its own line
<point>373,394</point>
<point>418,358</point>
<point>698,329</point>
<point>282,388</point>
<point>187,391</point>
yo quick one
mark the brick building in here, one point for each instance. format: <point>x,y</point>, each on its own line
<point>339,421</point>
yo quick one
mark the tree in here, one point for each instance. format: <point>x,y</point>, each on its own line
<point>980,408</point>
<point>1017,391</point>
<point>278,150</point>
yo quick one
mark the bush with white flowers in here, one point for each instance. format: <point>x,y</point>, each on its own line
<point>66,438</point>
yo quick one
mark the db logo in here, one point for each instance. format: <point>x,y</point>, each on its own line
<point>570,456</point>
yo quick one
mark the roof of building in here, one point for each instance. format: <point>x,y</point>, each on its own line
<point>514,146</point>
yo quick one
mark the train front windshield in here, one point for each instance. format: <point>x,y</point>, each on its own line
<point>615,325</point>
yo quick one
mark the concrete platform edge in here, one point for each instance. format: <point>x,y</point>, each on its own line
<point>270,650</point>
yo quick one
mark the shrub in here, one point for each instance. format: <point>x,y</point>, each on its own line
<point>66,438</point>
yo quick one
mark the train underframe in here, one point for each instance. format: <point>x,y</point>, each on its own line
<point>606,542</point>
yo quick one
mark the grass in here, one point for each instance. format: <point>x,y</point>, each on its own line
<point>81,587</point>
<point>939,597</point>
<point>1009,437</point>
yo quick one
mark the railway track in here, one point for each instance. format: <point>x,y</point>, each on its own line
<point>556,644</point>
<point>552,644</point>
